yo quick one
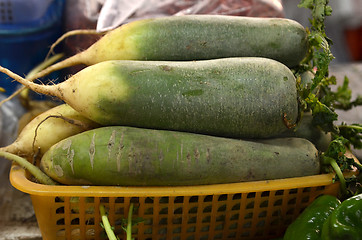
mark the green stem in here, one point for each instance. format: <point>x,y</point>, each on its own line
<point>129,222</point>
<point>106,224</point>
<point>40,176</point>
<point>338,172</point>
<point>351,126</point>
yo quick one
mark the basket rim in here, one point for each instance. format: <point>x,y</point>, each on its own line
<point>19,180</point>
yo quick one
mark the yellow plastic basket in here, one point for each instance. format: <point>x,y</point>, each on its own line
<point>249,210</point>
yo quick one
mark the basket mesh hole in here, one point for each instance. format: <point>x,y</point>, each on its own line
<point>247,224</point>
<point>149,200</point>
<point>292,201</point>
<point>177,220</point>
<point>220,218</point>
<point>222,208</point>
<point>89,210</point>
<point>223,197</point>
<point>245,234</point>
<point>176,230</point>
<point>59,210</point>
<point>149,211</point>
<point>148,221</point>
<point>193,210</point>
<point>248,215</point>
<point>75,221</point>
<point>276,213</point>
<point>262,214</point>
<point>305,199</point>
<point>178,210</point>
<point>261,223</point>
<point>307,189</point>
<point>75,232</point>
<point>250,205</point>
<point>251,195</point>
<point>164,210</point>
<point>163,221</point>
<point>218,236</point>
<point>74,209</point>
<point>264,204</point>
<point>236,207</point>
<point>204,237</point>
<point>234,217</point>
<point>163,200</point>
<point>89,221</point>
<point>233,226</point>
<point>232,234</point>
<point>205,228</point>
<point>194,199</point>
<point>192,220</point>
<point>279,193</point>
<point>259,233</point>
<point>179,199</point>
<point>206,219</point>
<point>290,211</point>
<point>265,194</point>
<point>320,188</point>
<point>119,200</point>
<point>208,198</point>
<point>60,233</point>
<point>278,202</point>
<point>275,222</point>
<point>90,232</point>
<point>104,200</point>
<point>293,191</point>
<point>191,229</point>
<point>58,199</point>
<point>89,199</point>
<point>237,196</point>
<point>119,210</point>
<point>60,221</point>
<point>272,232</point>
<point>207,209</point>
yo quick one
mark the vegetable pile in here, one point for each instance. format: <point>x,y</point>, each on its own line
<point>194,97</point>
<point>192,100</point>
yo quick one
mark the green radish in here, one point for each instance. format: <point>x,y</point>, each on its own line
<point>197,37</point>
<point>229,97</point>
<point>307,130</point>
<point>135,156</point>
<point>47,129</point>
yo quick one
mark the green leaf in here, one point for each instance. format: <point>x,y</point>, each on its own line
<point>353,133</point>
<point>322,101</point>
<point>309,4</point>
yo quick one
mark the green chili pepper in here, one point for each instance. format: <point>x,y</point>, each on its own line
<point>308,224</point>
<point>345,222</point>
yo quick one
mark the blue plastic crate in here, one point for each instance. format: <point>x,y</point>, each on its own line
<point>27,30</point>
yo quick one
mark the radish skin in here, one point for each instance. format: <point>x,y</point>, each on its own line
<point>145,157</point>
<point>196,37</point>
<point>230,97</point>
<point>47,129</point>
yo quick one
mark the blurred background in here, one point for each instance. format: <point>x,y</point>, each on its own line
<point>344,27</point>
